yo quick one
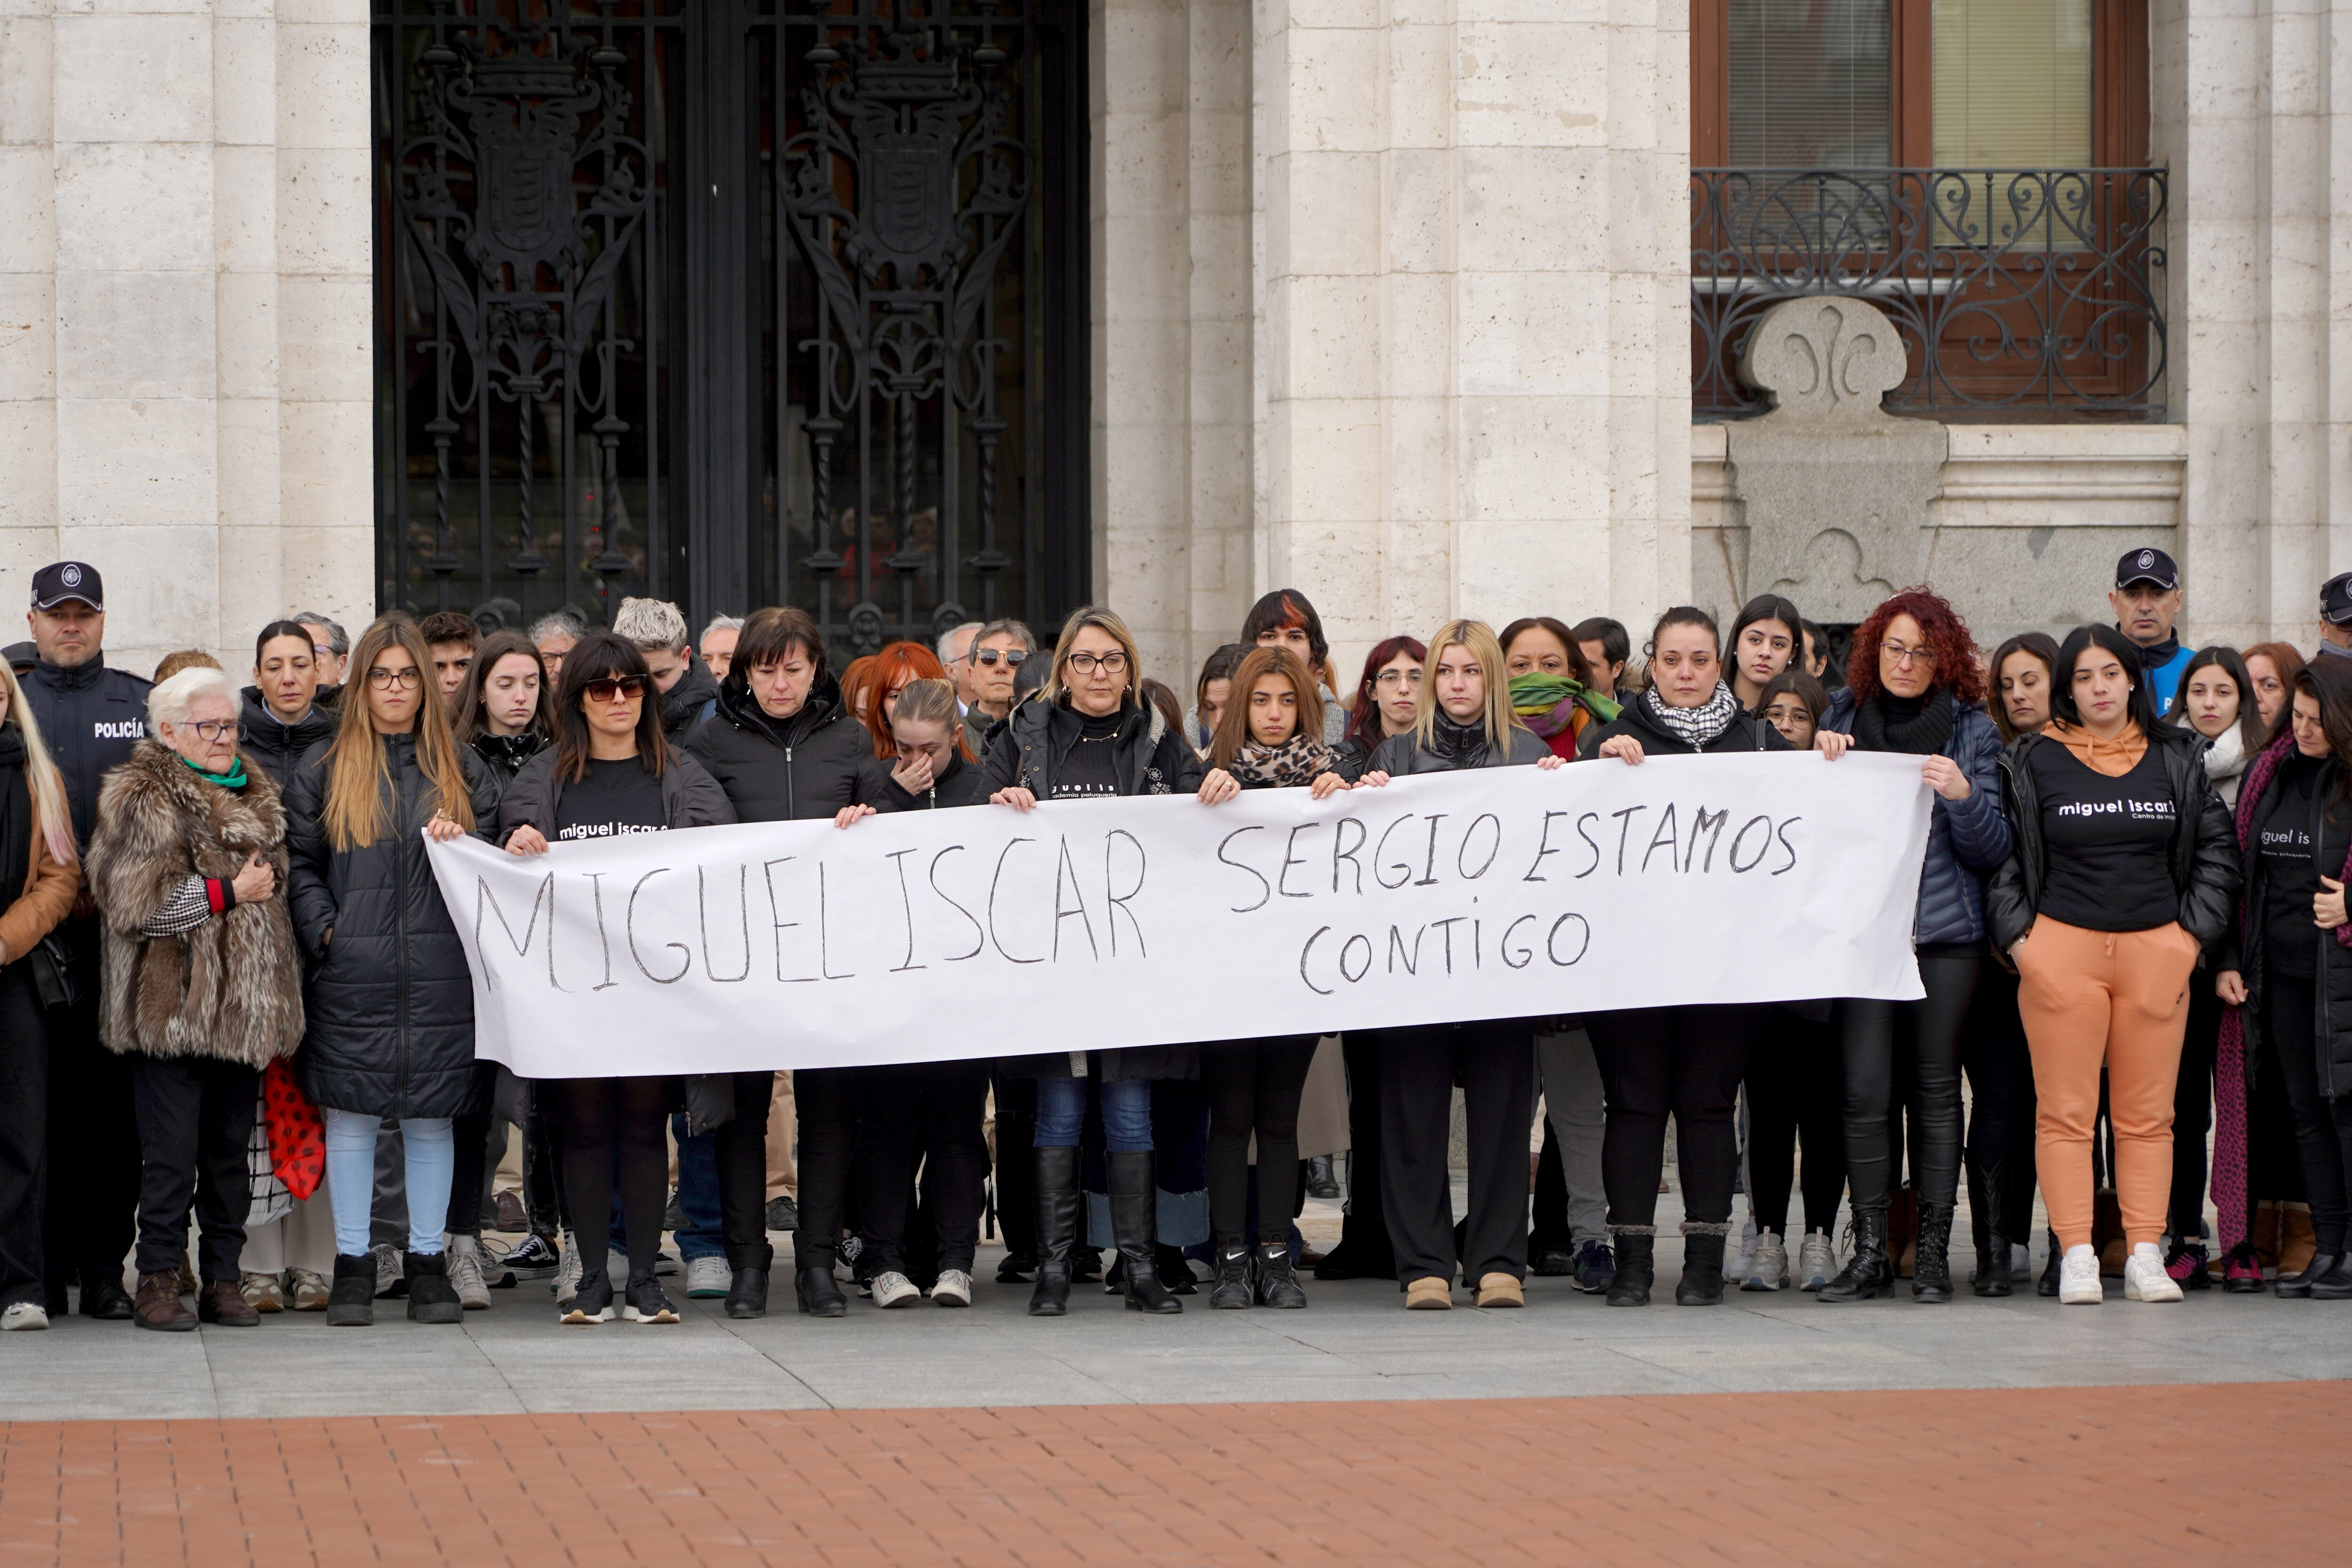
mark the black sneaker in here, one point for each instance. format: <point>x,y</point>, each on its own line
<point>783,1215</point>
<point>1015,1269</point>
<point>532,1257</point>
<point>594,1301</point>
<point>674,1216</point>
<point>1553,1264</point>
<point>646,1304</point>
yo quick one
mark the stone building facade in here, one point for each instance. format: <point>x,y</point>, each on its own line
<point>1391,300</point>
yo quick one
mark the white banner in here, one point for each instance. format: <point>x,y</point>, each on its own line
<point>1094,924</point>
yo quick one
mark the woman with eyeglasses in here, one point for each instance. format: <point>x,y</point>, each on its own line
<point>389,1000</point>
<point>1915,688</point>
<point>611,772</point>
<point>1089,734</point>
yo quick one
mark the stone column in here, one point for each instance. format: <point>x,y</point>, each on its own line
<point>1473,309</point>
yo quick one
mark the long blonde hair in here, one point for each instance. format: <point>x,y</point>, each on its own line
<point>1107,620</point>
<point>1479,638</point>
<point>46,786</point>
<point>357,774</point>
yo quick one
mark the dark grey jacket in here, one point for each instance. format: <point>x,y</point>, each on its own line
<point>1966,840</point>
<point>691,796</point>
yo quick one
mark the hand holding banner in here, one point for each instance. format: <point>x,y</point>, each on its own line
<point>1093,925</point>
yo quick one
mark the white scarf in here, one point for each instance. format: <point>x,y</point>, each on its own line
<point>2225,755</point>
<point>1695,727</point>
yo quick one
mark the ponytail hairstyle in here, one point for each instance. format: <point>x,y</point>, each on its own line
<point>2139,706</point>
<point>931,700</point>
<point>1479,638</point>
<point>42,780</point>
<point>358,778</point>
<point>1233,725</point>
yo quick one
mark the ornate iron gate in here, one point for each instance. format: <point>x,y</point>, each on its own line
<point>734,302</point>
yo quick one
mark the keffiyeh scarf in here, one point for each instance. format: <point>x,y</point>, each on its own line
<point>1694,727</point>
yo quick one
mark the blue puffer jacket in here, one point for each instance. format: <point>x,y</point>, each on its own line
<point>1966,840</point>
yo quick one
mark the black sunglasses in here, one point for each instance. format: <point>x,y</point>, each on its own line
<point>1011,656</point>
<point>612,688</point>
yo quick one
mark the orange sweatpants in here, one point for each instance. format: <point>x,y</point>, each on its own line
<point>2116,999</point>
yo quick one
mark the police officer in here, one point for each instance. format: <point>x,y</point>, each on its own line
<point>2335,616</point>
<point>2146,602</point>
<point>90,716</point>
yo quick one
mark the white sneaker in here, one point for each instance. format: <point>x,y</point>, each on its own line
<point>708,1276</point>
<point>952,1289</point>
<point>1743,1258</point>
<point>2145,1278</point>
<point>21,1316</point>
<point>389,1268</point>
<point>892,1289</point>
<point>2021,1262</point>
<point>1816,1261</point>
<point>466,1275</point>
<point>567,1274</point>
<point>1769,1270</point>
<point>2078,1277</point>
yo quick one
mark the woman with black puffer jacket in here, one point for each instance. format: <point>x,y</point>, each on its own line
<point>1464,720</point>
<point>1915,688</point>
<point>388,999</point>
<point>1686,1061</point>
<point>1089,734</point>
<point>784,749</point>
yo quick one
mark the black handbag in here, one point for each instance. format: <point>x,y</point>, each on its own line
<point>52,959</point>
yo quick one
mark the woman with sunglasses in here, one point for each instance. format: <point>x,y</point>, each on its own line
<point>388,1001</point>
<point>1089,734</point>
<point>612,772</point>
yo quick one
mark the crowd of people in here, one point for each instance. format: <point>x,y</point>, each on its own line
<point>225,936</point>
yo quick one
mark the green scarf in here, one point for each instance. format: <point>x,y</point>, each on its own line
<point>232,779</point>
<point>1547,704</point>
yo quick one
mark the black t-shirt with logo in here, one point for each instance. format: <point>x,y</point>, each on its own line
<point>2106,841</point>
<point>617,796</point>
<point>2292,863</point>
<point>1091,771</point>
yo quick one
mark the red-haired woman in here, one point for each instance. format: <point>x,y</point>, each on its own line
<point>884,676</point>
<point>1284,620</point>
<point>1551,684</point>
<point>1915,686</point>
<point>1386,701</point>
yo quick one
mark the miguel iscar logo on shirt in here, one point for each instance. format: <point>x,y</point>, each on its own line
<point>2137,810</point>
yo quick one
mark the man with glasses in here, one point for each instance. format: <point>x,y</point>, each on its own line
<point>91,717</point>
<point>997,653</point>
<point>2146,602</point>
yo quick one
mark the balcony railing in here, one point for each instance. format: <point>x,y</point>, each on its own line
<point>2019,293</point>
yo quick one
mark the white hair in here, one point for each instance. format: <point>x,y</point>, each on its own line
<point>723,624</point>
<point>969,630</point>
<point>650,624</point>
<point>169,703</point>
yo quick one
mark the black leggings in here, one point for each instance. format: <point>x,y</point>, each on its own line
<point>2323,1123</point>
<point>1928,1032</point>
<point>1686,1061</point>
<point>1253,1086</point>
<point>1795,1086</point>
<point>824,1105</point>
<point>634,1112</point>
<point>2192,1106</point>
<point>2000,1090</point>
<point>927,1113</point>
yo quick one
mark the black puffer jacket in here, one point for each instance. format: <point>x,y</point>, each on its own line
<point>505,754</point>
<point>962,785</point>
<point>2245,952</point>
<point>690,797</point>
<point>682,704</point>
<point>1744,733</point>
<point>389,1002</point>
<point>785,770</point>
<point>275,745</point>
<point>1401,754</point>
<point>2203,858</point>
<point>1148,758</point>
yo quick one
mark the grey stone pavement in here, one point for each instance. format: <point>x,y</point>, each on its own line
<point>1355,1342</point>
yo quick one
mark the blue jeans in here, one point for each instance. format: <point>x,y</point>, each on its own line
<point>698,1193</point>
<point>431,1164</point>
<point>1126,1114</point>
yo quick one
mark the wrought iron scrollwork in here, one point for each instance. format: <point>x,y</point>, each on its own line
<point>2011,287</point>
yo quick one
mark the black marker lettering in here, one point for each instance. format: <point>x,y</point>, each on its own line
<point>1741,837</point>
<point>907,908</point>
<point>685,954</point>
<point>1343,850</point>
<point>1493,850</point>
<point>768,874</point>
<point>1116,902</point>
<point>1266,888</point>
<point>1363,969</point>
<point>743,907</point>
<point>825,934</point>
<point>1584,945</point>
<point>1429,871</point>
<point>484,900</point>
<point>992,884</point>
<point>1067,875</point>
<point>1396,949</point>
<point>979,936</point>
<point>1383,848</point>
<point>1289,859</point>
<point>1307,952</point>
<point>605,938</point>
<point>1701,825</point>
<point>1543,847</point>
<point>1781,833</point>
<point>1624,828</point>
<point>1665,836</point>
<point>1447,925</point>
<point>1527,954</point>
<point>1589,844</point>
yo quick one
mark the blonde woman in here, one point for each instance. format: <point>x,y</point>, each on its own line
<point>1089,734</point>
<point>1464,720</point>
<point>40,874</point>
<point>389,1002</point>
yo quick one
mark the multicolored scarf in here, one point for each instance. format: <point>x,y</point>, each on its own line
<point>1297,760</point>
<point>1551,703</point>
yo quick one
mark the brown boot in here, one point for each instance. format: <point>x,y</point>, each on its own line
<point>220,1302</point>
<point>158,1305</point>
<point>2297,1242</point>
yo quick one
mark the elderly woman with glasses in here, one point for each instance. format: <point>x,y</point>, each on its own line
<point>203,986</point>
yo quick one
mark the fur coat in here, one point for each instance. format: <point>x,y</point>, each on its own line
<point>232,988</point>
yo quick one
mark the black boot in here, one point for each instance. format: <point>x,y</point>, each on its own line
<point>1702,1281</point>
<point>1057,1230</point>
<point>2296,1286</point>
<point>2047,1286</point>
<point>1931,1266</point>
<point>2335,1285</point>
<point>1992,1253</point>
<point>1278,1281</point>
<point>818,1292</point>
<point>1637,1269</point>
<point>350,1300</point>
<point>1134,1216</point>
<point>1871,1272</point>
<point>1175,1270</point>
<point>431,1298</point>
<point>1233,1291</point>
<point>747,1293</point>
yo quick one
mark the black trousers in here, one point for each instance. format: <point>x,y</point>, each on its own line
<point>1494,1060</point>
<point>2323,1123</point>
<point>1686,1061</point>
<point>1253,1086</point>
<point>632,1115</point>
<point>740,1150</point>
<point>927,1114</point>
<point>2192,1106</point>
<point>470,1167</point>
<point>23,1133</point>
<point>2000,1090</point>
<point>92,1200</point>
<point>1364,1227</point>
<point>545,1209</point>
<point>196,1117</point>
<point>1017,1164</point>
<point>1927,1032</point>
<point>824,1102</point>
<point>1796,1089</point>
